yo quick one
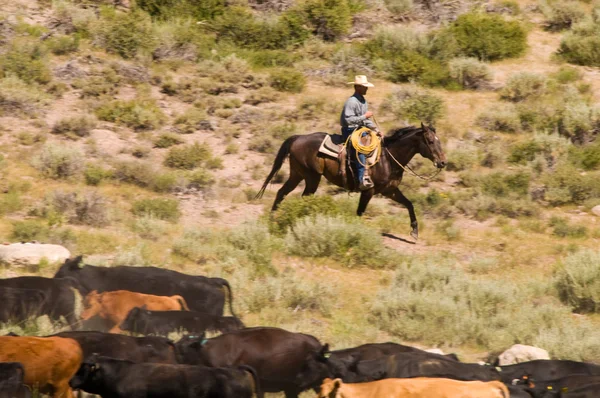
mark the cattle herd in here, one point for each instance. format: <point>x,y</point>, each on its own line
<point>240,362</point>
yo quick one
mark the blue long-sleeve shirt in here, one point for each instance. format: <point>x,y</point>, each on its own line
<point>353,114</point>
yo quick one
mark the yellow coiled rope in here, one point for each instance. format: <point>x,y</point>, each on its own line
<point>355,137</point>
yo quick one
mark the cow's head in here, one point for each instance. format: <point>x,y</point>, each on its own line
<point>229,324</point>
<point>189,350</point>
<point>89,376</point>
<point>92,305</point>
<point>133,317</point>
<point>331,388</point>
<point>69,266</point>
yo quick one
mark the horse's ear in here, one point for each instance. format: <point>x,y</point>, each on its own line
<point>422,126</point>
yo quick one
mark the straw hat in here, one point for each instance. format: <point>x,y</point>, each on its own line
<point>361,80</point>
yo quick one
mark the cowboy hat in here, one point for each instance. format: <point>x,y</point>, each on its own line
<point>361,80</point>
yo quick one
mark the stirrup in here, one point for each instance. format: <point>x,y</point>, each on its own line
<point>366,183</point>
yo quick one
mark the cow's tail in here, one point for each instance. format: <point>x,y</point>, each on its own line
<point>226,285</point>
<point>182,302</point>
<point>283,153</point>
<point>254,375</point>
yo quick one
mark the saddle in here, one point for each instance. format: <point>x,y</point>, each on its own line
<point>333,145</point>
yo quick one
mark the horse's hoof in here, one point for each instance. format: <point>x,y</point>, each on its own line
<point>415,234</point>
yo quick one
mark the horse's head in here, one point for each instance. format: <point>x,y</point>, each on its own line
<point>430,146</point>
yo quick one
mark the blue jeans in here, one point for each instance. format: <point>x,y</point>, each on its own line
<point>358,167</point>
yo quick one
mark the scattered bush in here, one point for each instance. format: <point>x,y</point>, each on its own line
<point>58,161</point>
<point>200,179</point>
<point>95,174</point>
<point>567,74</point>
<point>561,15</point>
<point>168,9</point>
<point>167,140</point>
<point>462,158</point>
<point>330,19</point>
<point>522,86</point>
<point>551,146</point>
<point>125,34</point>
<point>293,210</point>
<point>577,280</point>
<point>399,7</point>
<point>61,45</point>
<point>503,117</point>
<point>137,114</point>
<point>89,208</point>
<point>565,185</point>
<point>580,45</point>
<point>488,37</point>
<point>16,96</point>
<point>187,157</point>
<point>29,230</point>
<point>562,228</point>
<point>350,242</point>
<point>162,209</point>
<point>257,244</point>
<point>77,126</point>
<point>414,104</point>
<point>191,120</point>
<point>579,121</point>
<point>261,96</point>
<point>500,184</point>
<point>181,39</point>
<point>289,80</point>
<point>588,156</point>
<point>135,172</point>
<point>27,61</point>
<point>470,73</point>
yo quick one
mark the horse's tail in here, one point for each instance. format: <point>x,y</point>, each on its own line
<point>283,153</point>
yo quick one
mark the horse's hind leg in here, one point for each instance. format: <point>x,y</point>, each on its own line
<point>312,183</point>
<point>288,187</point>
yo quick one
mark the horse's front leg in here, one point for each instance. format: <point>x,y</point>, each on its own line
<point>399,197</point>
<point>365,198</point>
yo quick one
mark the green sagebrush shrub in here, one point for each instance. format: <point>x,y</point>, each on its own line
<point>414,104</point>
<point>26,60</point>
<point>329,19</point>
<point>293,209</point>
<point>199,10</point>
<point>289,80</point>
<point>59,161</point>
<point>577,280</point>
<point>240,26</point>
<point>187,157</point>
<point>18,97</point>
<point>501,117</point>
<point>162,209</point>
<point>488,36</point>
<point>345,239</point>
<point>76,126</point>
<point>582,44</point>
<point>561,14</point>
<point>523,85</point>
<point>125,34</point>
<point>139,114</point>
<point>470,73</point>
<point>565,184</point>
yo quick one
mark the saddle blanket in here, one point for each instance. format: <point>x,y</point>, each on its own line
<point>333,143</point>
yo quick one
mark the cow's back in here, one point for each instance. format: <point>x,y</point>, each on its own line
<point>135,349</point>
<point>201,293</point>
<point>543,369</point>
<point>49,362</point>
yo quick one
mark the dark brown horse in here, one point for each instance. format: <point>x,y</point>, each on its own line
<point>398,149</point>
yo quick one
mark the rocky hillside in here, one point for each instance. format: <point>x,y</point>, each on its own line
<point>138,133</point>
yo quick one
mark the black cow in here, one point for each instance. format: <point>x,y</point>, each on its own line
<point>342,363</point>
<point>117,378</point>
<point>59,295</point>
<point>140,320</point>
<point>586,391</point>
<point>11,381</point>
<point>201,293</point>
<point>279,356</point>
<point>547,369</point>
<point>544,388</point>
<point>135,349</point>
<point>409,365</point>
<point>20,304</point>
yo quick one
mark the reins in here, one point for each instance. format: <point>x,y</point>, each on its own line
<point>407,169</point>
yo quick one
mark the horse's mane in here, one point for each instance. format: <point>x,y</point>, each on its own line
<point>400,133</point>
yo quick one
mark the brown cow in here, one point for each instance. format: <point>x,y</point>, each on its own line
<point>49,362</point>
<point>114,306</point>
<point>419,387</point>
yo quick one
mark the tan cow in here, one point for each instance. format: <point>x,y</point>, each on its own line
<point>49,362</point>
<point>419,387</point>
<point>113,307</point>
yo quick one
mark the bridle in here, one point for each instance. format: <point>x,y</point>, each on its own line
<point>411,171</point>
